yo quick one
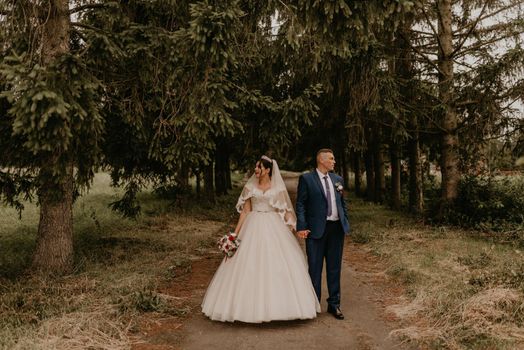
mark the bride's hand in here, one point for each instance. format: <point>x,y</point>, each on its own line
<point>303,233</point>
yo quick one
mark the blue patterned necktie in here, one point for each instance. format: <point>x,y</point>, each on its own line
<point>328,196</point>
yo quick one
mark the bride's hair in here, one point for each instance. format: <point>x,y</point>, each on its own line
<point>268,164</point>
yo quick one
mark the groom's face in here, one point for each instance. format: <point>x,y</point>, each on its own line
<point>327,160</point>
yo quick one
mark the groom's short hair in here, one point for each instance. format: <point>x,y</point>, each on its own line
<point>324,150</point>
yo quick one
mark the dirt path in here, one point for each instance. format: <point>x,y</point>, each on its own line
<point>365,294</point>
<point>365,326</point>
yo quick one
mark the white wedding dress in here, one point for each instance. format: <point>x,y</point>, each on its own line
<point>267,279</point>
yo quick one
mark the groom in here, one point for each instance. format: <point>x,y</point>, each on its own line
<point>322,219</point>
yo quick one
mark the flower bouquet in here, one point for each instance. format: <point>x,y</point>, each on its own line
<point>228,244</point>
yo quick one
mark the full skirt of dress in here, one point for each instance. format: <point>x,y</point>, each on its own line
<point>266,280</point>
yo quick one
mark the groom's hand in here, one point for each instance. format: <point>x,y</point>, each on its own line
<point>303,233</point>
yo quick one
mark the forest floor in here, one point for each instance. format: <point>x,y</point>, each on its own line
<point>405,285</point>
<point>366,293</point>
<point>138,284</point>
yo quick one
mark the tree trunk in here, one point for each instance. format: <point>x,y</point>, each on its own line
<point>404,70</point>
<point>221,167</point>
<point>209,188</point>
<point>219,178</point>
<point>342,161</point>
<point>183,176</point>
<point>229,183</point>
<point>416,197</point>
<point>345,171</point>
<point>378,157</point>
<point>198,180</point>
<point>369,163</point>
<point>54,246</point>
<point>358,173</point>
<point>370,176</point>
<point>449,139</point>
<point>395,175</point>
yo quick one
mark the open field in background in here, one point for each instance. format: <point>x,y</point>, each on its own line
<point>461,291</point>
<point>121,264</point>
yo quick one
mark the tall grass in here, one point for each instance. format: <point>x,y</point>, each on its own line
<point>462,291</point>
<point>119,265</point>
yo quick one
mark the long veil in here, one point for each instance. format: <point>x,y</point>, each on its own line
<point>279,198</point>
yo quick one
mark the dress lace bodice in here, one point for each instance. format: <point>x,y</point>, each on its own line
<point>272,200</point>
<point>260,202</point>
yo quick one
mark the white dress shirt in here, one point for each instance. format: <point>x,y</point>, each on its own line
<point>334,210</point>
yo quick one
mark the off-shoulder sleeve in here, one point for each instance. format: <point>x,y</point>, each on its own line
<point>280,201</point>
<point>247,192</point>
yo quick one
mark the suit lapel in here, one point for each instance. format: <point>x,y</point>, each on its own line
<point>332,177</point>
<point>319,184</point>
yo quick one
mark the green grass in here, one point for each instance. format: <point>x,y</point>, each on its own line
<point>463,291</point>
<point>119,266</point>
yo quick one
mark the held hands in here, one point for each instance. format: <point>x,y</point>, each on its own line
<point>303,233</point>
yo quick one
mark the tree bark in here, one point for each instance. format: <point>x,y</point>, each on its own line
<point>229,183</point>
<point>370,176</point>
<point>404,70</point>
<point>222,179</point>
<point>344,171</point>
<point>449,139</point>
<point>54,246</point>
<point>378,157</point>
<point>395,175</point>
<point>358,173</point>
<point>416,197</point>
<point>220,183</point>
<point>183,176</point>
<point>198,180</point>
<point>209,188</point>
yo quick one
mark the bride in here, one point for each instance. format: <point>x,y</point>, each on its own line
<point>267,279</point>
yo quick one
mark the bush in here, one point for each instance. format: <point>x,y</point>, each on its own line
<point>488,204</point>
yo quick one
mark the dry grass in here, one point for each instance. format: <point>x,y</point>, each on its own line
<point>120,265</point>
<point>78,330</point>
<point>462,292</point>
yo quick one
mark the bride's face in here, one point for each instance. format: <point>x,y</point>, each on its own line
<point>260,171</point>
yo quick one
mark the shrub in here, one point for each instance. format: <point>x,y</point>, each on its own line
<point>487,204</point>
<point>491,202</point>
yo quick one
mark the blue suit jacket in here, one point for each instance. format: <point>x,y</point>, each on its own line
<point>312,204</point>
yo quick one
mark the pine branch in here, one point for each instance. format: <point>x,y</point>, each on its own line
<point>421,32</point>
<point>481,44</point>
<point>489,16</point>
<point>459,46</point>
<point>493,28</point>
<point>466,103</point>
<point>87,7</point>
<point>433,29</point>
<point>464,64</point>
<point>85,26</point>
<point>511,103</point>
<point>421,54</point>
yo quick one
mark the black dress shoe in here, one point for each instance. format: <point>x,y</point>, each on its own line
<point>335,311</point>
